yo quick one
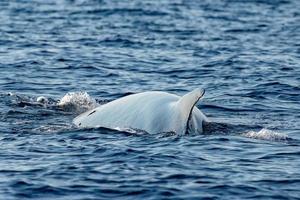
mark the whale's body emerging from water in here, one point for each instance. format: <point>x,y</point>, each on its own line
<point>153,112</point>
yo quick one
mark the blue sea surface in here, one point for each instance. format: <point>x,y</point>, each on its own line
<point>246,54</point>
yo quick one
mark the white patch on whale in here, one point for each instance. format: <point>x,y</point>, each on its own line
<point>153,112</point>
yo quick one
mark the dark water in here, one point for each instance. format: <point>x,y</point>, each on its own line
<point>246,54</point>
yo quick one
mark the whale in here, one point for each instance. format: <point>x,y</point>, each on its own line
<point>152,111</point>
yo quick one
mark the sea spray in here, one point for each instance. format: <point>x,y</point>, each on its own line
<point>77,102</point>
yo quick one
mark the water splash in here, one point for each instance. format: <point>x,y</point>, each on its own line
<point>77,102</point>
<point>266,134</point>
<point>42,99</point>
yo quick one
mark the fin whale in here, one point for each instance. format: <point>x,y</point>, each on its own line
<point>153,112</point>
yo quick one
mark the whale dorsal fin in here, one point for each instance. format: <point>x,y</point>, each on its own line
<point>187,102</point>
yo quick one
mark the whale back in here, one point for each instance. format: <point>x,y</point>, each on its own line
<point>153,112</point>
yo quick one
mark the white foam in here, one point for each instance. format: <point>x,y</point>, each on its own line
<point>77,102</point>
<point>42,100</point>
<point>266,134</point>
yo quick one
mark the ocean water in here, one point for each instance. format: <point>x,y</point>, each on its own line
<point>246,54</point>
